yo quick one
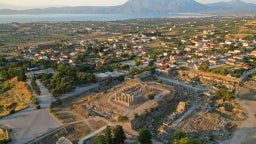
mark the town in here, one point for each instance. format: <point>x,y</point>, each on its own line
<point>165,80</point>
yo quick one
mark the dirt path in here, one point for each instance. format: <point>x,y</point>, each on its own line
<point>246,131</point>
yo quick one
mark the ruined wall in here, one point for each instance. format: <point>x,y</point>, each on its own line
<point>208,79</point>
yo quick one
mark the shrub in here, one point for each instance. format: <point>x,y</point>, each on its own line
<point>58,101</point>
<point>224,94</point>
<point>136,116</point>
<point>211,137</point>
<point>150,96</point>
<point>12,111</point>
<point>122,118</point>
<point>38,107</point>
<point>34,100</point>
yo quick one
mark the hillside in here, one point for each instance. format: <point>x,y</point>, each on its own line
<point>150,7</point>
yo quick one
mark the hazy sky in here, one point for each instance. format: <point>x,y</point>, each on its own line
<point>46,3</point>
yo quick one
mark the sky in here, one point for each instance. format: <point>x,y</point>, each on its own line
<point>59,3</point>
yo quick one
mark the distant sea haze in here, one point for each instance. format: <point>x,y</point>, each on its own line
<point>28,18</point>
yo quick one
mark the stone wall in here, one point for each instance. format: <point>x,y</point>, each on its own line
<point>209,79</point>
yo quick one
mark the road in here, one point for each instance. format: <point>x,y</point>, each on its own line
<point>245,74</point>
<point>31,123</point>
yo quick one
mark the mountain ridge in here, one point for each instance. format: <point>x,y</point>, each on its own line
<point>148,7</point>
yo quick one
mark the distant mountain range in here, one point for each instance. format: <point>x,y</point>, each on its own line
<point>234,7</point>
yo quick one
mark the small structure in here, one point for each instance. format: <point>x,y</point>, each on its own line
<point>102,76</point>
<point>31,68</point>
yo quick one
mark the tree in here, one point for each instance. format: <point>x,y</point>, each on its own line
<point>119,135</point>
<point>224,94</point>
<point>100,139</point>
<point>182,138</point>
<point>120,78</point>
<point>58,101</point>
<point>122,118</point>
<point>35,86</point>
<point>136,116</point>
<point>187,140</point>
<point>150,96</point>
<point>138,61</point>
<point>144,137</point>
<point>179,135</point>
<point>108,136</point>
<point>21,75</point>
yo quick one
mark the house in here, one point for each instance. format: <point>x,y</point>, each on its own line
<point>228,42</point>
<point>176,59</point>
<point>253,53</point>
<point>165,53</point>
<point>213,61</point>
<point>232,61</point>
<point>65,56</point>
<point>245,44</point>
<point>53,58</point>
<point>73,54</point>
<point>43,58</point>
<point>245,66</point>
<point>43,52</point>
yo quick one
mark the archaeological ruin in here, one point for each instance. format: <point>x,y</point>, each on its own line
<point>132,95</point>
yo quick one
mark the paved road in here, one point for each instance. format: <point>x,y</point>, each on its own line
<point>31,123</point>
<point>245,74</point>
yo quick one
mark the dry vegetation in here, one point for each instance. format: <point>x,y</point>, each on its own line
<point>2,134</point>
<point>11,99</point>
